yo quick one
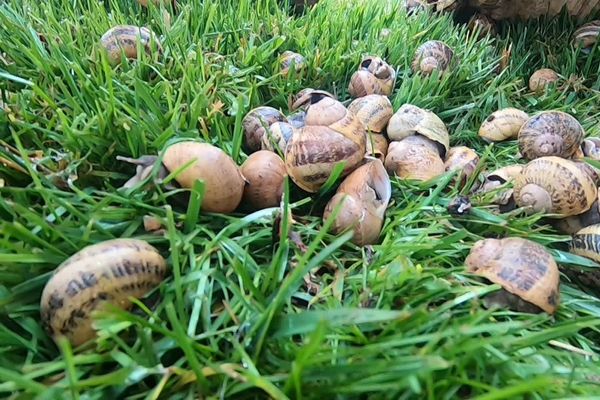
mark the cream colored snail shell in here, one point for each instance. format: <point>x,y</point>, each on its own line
<point>414,158</point>
<point>373,110</point>
<point>550,133</point>
<point>123,39</point>
<point>264,172</point>
<point>302,100</point>
<point>374,76</point>
<point>462,158</point>
<point>256,122</point>
<point>554,185</point>
<point>108,272</point>
<point>277,136</point>
<point>522,267</point>
<point>377,146</point>
<point>363,197</point>
<point>541,79</point>
<point>586,242</point>
<point>587,36</point>
<point>498,178</point>
<point>503,124</point>
<point>432,55</point>
<point>288,58</point>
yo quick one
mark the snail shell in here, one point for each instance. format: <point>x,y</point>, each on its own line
<point>373,110</point>
<point>550,133</point>
<point>257,122</point>
<point>413,6</point>
<point>123,39</point>
<point>591,148</point>
<point>462,158</point>
<point>288,58</point>
<point>575,223</point>
<point>587,36</point>
<point>303,99</point>
<point>297,119</point>
<point>522,267</point>
<point>364,196</point>
<point>554,185</point>
<point>481,25</point>
<point>277,136</point>
<point>498,178</point>
<point>265,172</point>
<point>107,272</point>
<point>586,242</point>
<point>432,55</point>
<point>332,134</point>
<point>416,158</point>
<point>541,79</point>
<point>412,120</point>
<point>502,125</point>
<point>377,146</point>
<point>374,76</point>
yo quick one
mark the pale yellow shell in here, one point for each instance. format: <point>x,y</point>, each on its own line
<point>587,36</point>
<point>586,242</point>
<point>462,158</point>
<point>550,133</point>
<point>542,78</point>
<point>414,158</point>
<point>124,39</point>
<point>303,99</point>
<point>498,178</point>
<point>373,110</point>
<point>503,124</point>
<point>432,55</point>
<point>374,76</point>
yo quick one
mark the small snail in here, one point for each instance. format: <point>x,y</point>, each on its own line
<point>363,197</point>
<point>256,122</point>
<point>591,148</point>
<point>462,158</point>
<point>412,120</point>
<point>288,58</point>
<point>573,224</point>
<point>373,110</point>
<point>106,272</point>
<point>193,161</point>
<point>498,178</point>
<point>377,146</point>
<point>265,172</point>
<point>384,34</point>
<point>586,242</point>
<point>414,158</point>
<point>525,269</point>
<point>587,36</point>
<point>554,185</point>
<point>374,76</point>
<point>303,98</point>
<point>550,133</point>
<point>481,25</point>
<point>541,79</point>
<point>503,124</point>
<point>332,135</point>
<point>277,136</point>
<point>123,39</point>
<point>432,55</point>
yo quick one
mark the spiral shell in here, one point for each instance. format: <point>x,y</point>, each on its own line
<point>503,124</point>
<point>374,76</point>
<point>550,133</point>
<point>265,172</point>
<point>498,178</point>
<point>586,242</point>
<point>432,55</point>
<point>304,98</point>
<point>554,185</point>
<point>462,158</point>
<point>277,137</point>
<point>373,110</point>
<point>541,79</point>
<point>587,36</point>
<point>415,158</point>
<point>256,122</point>
<point>288,58</point>
<point>522,267</point>
<point>123,39</point>
<point>377,146</point>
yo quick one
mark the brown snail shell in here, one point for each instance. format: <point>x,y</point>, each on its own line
<point>415,158</point>
<point>123,39</point>
<point>277,137</point>
<point>586,242</point>
<point>503,124</point>
<point>462,158</point>
<point>377,146</point>
<point>332,134</point>
<point>587,36</point>
<point>575,223</point>
<point>108,272</point>
<point>554,185</point>
<point>374,76</point>
<point>541,79</point>
<point>256,122</point>
<point>288,58</point>
<point>550,133</point>
<point>265,172</point>
<point>481,25</point>
<point>412,120</point>
<point>302,99</point>
<point>432,55</point>
<point>364,196</point>
<point>498,178</point>
<point>373,110</point>
<point>522,267</point>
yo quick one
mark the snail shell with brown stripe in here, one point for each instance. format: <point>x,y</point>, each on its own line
<point>501,177</point>
<point>374,76</point>
<point>123,39</point>
<point>288,58</point>
<point>373,110</point>
<point>432,55</point>
<point>105,273</point>
<point>587,36</point>
<point>257,122</point>
<point>586,242</point>
<point>302,100</point>
<point>463,159</point>
<point>550,133</point>
<point>377,146</point>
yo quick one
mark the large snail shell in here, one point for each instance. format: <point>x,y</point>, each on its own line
<point>373,110</point>
<point>265,173</point>
<point>124,38</point>
<point>377,146</point>
<point>503,124</point>
<point>304,98</point>
<point>586,242</point>
<point>587,36</point>
<point>374,76</point>
<point>415,157</point>
<point>432,55</point>
<point>412,120</point>
<point>522,267</point>
<point>256,123</point>
<point>224,183</point>
<point>364,196</point>
<point>541,79</point>
<point>462,158</point>
<point>277,136</point>
<point>554,185</point>
<point>550,133</point>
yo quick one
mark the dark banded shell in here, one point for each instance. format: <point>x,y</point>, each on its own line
<point>277,136</point>
<point>432,55</point>
<point>257,122</point>
<point>586,242</point>
<point>575,223</point>
<point>587,36</point>
<point>550,133</point>
<point>124,38</point>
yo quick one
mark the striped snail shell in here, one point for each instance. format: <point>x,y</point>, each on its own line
<point>373,110</point>
<point>277,136</point>
<point>374,76</point>
<point>414,158</point>
<point>481,25</point>
<point>498,178</point>
<point>587,36</point>
<point>541,79</point>
<point>573,224</point>
<point>303,98</point>
<point>503,124</point>
<point>432,55</point>
<point>586,242</point>
<point>123,39</point>
<point>550,133</point>
<point>288,58</point>
<point>256,123</point>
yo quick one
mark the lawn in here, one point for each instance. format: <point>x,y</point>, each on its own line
<point>245,312</point>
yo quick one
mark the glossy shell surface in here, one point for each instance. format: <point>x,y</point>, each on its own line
<point>256,122</point>
<point>264,172</point>
<point>586,242</point>
<point>586,36</point>
<point>374,76</point>
<point>503,124</point>
<point>415,158</point>
<point>550,133</point>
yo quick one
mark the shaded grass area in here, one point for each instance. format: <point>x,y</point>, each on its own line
<point>235,318</point>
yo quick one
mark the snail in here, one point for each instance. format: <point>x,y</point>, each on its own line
<point>526,271</point>
<point>498,178</point>
<point>108,272</point>
<point>363,197</point>
<point>377,146</point>
<point>550,133</point>
<point>374,76</point>
<point>332,135</point>
<point>587,36</point>
<point>302,99</point>
<point>462,158</point>
<point>554,185</point>
<point>277,136</point>
<point>414,158</point>
<point>502,125</point>
<point>373,110</point>
<point>586,242</point>
<point>296,119</point>
<point>256,122</point>
<point>193,161</point>
<point>591,148</point>
<point>541,79</point>
<point>573,224</point>
<point>288,58</point>
<point>432,55</point>
<point>481,25</point>
<point>265,172</point>
<point>123,39</point>
<point>412,120</point>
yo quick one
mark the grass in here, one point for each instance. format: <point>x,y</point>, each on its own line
<point>235,318</point>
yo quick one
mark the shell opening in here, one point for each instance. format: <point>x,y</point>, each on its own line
<point>366,63</point>
<point>535,197</point>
